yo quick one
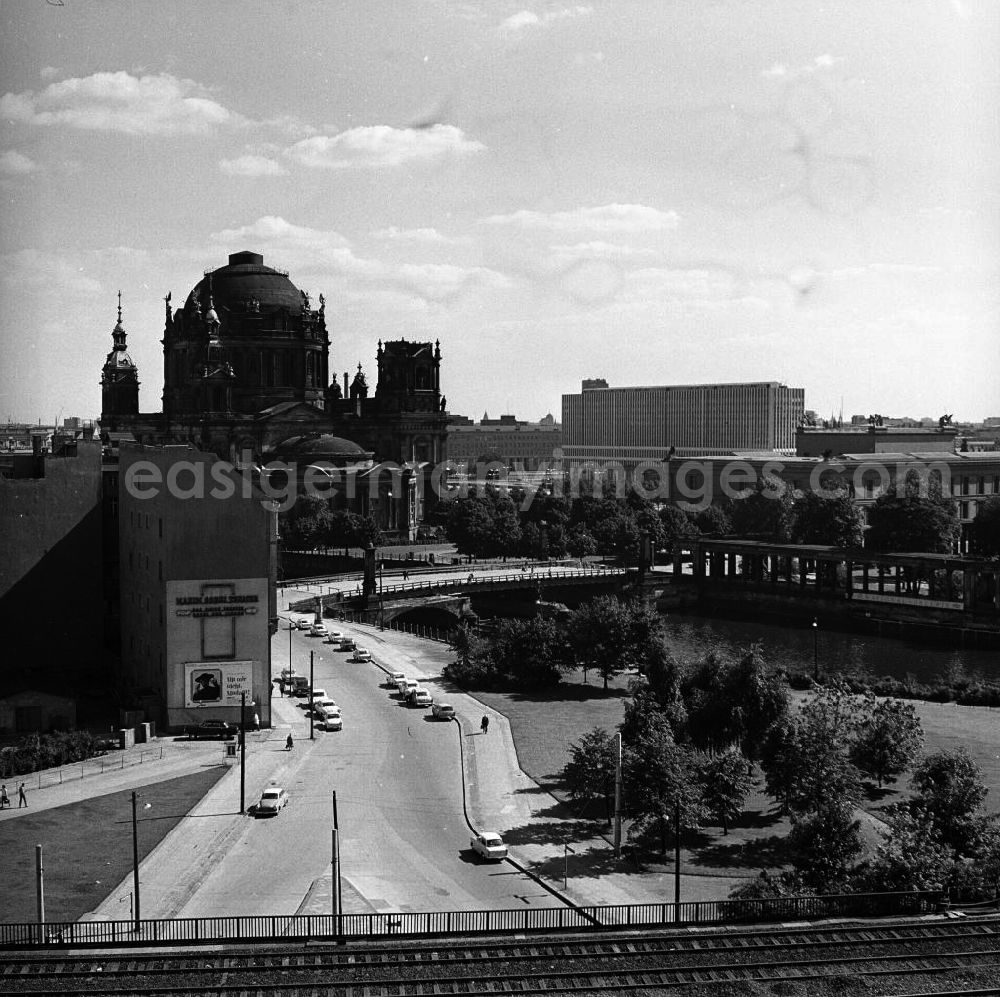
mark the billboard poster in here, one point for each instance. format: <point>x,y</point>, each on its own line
<point>215,683</point>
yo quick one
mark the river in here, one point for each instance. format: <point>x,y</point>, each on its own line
<point>791,648</point>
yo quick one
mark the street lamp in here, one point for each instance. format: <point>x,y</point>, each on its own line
<point>815,630</point>
<point>135,856</point>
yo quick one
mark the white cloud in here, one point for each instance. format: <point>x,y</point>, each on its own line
<point>252,166</point>
<point>47,273</point>
<point>13,163</point>
<point>419,235</point>
<point>529,19</point>
<point>120,102</point>
<point>780,71</point>
<point>607,218</point>
<point>441,281</point>
<point>602,251</point>
<point>381,145</point>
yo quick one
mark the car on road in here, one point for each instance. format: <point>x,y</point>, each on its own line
<point>317,630</point>
<point>303,622</point>
<point>406,686</point>
<point>211,728</point>
<point>271,801</point>
<point>334,637</point>
<point>348,644</point>
<point>362,654</point>
<point>419,698</point>
<point>331,720</point>
<point>320,706</point>
<point>394,678</point>
<point>489,846</point>
<point>442,711</point>
<point>318,693</point>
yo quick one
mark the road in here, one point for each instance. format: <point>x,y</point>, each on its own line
<point>397,774</point>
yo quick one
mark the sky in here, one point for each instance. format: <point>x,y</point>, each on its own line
<point>648,191</point>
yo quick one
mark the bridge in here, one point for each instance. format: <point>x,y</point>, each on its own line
<point>448,592</point>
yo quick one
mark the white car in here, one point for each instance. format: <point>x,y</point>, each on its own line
<point>317,630</point>
<point>394,679</point>
<point>331,720</point>
<point>347,644</point>
<point>489,845</point>
<point>321,706</point>
<point>406,686</point>
<point>271,801</point>
<point>362,654</point>
<point>303,622</point>
<point>442,711</point>
<point>334,637</point>
<point>419,697</point>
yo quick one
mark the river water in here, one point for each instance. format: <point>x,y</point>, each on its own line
<point>790,647</point>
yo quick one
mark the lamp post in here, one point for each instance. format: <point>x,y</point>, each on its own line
<point>815,630</point>
<point>135,861</point>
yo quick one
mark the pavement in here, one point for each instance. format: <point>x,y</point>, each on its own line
<point>499,796</point>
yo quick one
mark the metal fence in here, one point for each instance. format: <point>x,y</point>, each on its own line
<point>261,928</point>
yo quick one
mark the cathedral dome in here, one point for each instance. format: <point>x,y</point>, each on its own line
<point>245,285</point>
<point>321,447</point>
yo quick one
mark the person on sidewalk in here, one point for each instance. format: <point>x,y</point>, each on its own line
<point>22,800</point>
<point>484,724</point>
<point>4,801</point>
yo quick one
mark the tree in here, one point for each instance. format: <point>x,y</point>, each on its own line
<point>612,636</point>
<point>677,525</point>
<point>714,521</point>
<point>824,846</point>
<point>779,761</point>
<point>910,522</point>
<point>887,740</point>
<point>659,778</point>
<point>951,794</point>
<point>834,521</point>
<point>764,514</point>
<point>589,775</point>
<point>580,542</point>
<point>725,784</point>
<point>910,857</point>
<point>986,528</point>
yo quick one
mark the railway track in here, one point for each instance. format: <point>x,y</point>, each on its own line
<point>625,963</point>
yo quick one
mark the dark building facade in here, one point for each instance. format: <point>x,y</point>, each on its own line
<point>246,367</point>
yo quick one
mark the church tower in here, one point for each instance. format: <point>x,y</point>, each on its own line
<point>119,379</point>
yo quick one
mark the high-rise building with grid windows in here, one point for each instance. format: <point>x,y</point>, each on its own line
<point>629,425</point>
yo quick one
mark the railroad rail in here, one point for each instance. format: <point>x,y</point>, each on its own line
<point>942,950</point>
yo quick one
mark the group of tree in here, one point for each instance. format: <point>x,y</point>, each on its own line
<point>311,522</point>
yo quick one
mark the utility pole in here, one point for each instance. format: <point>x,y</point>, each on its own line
<point>816,646</point>
<point>135,860</point>
<point>40,889</point>
<point>338,898</point>
<point>312,733</point>
<point>677,859</point>
<point>618,795</point>
<point>243,752</point>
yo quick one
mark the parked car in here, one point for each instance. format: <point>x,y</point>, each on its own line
<point>318,693</point>
<point>317,630</point>
<point>331,720</point>
<point>418,697</point>
<point>348,644</point>
<point>362,654</point>
<point>394,678</point>
<point>211,728</point>
<point>320,706</point>
<point>489,846</point>
<point>334,637</point>
<point>271,801</point>
<point>442,711</point>
<point>304,622</point>
<point>406,686</point>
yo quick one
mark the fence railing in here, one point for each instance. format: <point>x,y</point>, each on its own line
<point>467,922</point>
<point>71,771</point>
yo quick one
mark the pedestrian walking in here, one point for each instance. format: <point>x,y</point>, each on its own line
<point>22,800</point>
<point>4,801</point>
<point>484,724</point>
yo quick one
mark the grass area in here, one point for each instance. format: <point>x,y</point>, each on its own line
<point>544,725</point>
<point>88,846</point>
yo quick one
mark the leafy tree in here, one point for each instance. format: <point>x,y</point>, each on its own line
<point>910,857</point>
<point>534,541</point>
<point>677,525</point>
<point>659,777</point>
<point>580,542</point>
<point>779,761</point>
<point>887,740</point>
<point>834,521</point>
<point>306,524</point>
<point>950,791</point>
<point>589,775</point>
<point>909,522</point>
<point>714,521</point>
<point>824,845</point>
<point>986,528</point>
<point>470,525</point>
<point>725,784</point>
<point>765,514</point>
<point>612,636</point>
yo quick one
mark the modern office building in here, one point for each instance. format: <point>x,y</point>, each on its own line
<point>637,424</point>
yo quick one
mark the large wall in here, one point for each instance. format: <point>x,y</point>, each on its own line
<point>50,573</point>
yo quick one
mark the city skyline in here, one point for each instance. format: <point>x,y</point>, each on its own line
<point>643,192</point>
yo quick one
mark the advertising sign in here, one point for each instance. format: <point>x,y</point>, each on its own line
<point>216,683</point>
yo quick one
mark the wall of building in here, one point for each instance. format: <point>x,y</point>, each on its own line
<point>186,534</point>
<point>50,572</point>
<point>813,442</point>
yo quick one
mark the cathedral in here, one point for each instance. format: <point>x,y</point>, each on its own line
<point>246,372</point>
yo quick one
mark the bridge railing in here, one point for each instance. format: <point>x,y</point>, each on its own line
<point>275,927</point>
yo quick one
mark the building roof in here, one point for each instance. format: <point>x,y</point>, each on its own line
<point>242,280</point>
<point>315,446</point>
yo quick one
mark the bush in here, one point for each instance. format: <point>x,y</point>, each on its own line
<point>42,751</point>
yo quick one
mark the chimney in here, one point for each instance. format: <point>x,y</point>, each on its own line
<point>346,389</point>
